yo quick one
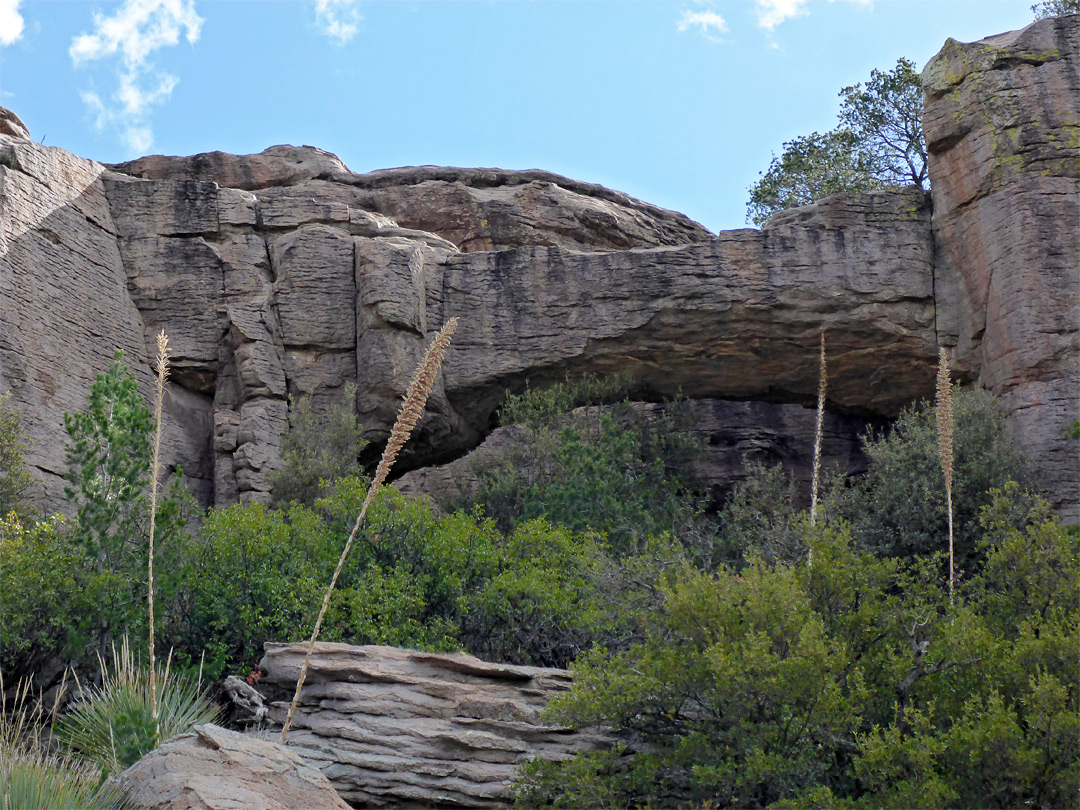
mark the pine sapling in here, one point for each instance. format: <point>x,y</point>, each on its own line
<point>411,410</point>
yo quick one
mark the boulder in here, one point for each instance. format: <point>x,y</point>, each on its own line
<point>212,768</point>
<point>392,727</point>
<point>1002,125</point>
<point>12,125</point>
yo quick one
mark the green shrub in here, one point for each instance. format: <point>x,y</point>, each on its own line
<point>250,576</point>
<point>851,682</point>
<point>898,507</point>
<point>15,479</point>
<point>760,517</point>
<point>44,586</point>
<point>112,725</point>
<point>317,450</point>
<point>607,470</point>
<point>108,461</point>
<point>545,605</point>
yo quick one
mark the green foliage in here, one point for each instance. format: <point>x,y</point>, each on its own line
<point>760,518</point>
<point>316,451</point>
<point>878,144</point>
<point>885,116</point>
<point>112,726</point>
<point>848,682</point>
<point>1055,8</point>
<point>44,585</point>
<point>108,460</point>
<point>898,508</point>
<point>611,470</point>
<point>811,167</point>
<point>549,601</point>
<point>33,777</point>
<point>249,577</point>
<point>15,479</point>
<point>738,693</point>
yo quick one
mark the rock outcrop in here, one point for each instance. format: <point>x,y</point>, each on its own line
<point>283,273</point>
<point>406,728</point>
<point>1002,124</point>
<point>213,768</point>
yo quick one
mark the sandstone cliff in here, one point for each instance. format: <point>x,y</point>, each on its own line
<point>284,273</point>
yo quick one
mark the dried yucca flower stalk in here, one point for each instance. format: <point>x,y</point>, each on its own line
<point>945,445</point>
<point>818,430</point>
<point>411,411</point>
<point>155,469</point>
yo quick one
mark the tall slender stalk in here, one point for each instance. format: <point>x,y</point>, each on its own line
<point>945,447</point>
<point>411,411</point>
<point>818,430</point>
<point>155,469</point>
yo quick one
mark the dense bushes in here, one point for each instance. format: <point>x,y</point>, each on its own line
<point>609,470</point>
<point>849,682</point>
<point>749,659</point>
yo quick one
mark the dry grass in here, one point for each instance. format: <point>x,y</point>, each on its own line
<point>945,446</point>
<point>155,469</point>
<point>411,411</point>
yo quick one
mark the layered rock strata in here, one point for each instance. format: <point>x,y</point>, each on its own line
<point>394,727</point>
<point>298,289</point>
<point>283,274</point>
<point>1002,125</point>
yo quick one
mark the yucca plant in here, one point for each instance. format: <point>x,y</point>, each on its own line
<point>33,777</point>
<point>113,725</point>
<point>411,410</point>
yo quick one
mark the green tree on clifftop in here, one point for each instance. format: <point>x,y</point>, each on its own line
<point>878,144</point>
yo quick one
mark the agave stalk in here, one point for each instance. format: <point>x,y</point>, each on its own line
<point>162,378</point>
<point>155,468</point>
<point>815,480</point>
<point>411,410</point>
<point>945,448</point>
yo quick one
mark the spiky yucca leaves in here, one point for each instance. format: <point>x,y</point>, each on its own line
<point>945,446</point>
<point>411,411</point>
<point>113,726</point>
<point>34,778</point>
<point>155,470</point>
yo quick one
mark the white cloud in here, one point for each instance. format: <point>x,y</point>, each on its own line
<point>338,19</point>
<point>770,13</point>
<point>11,22</point>
<point>132,34</point>
<point>709,22</point>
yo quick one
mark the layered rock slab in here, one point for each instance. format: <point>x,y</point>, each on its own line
<point>1002,125</point>
<point>212,768</point>
<point>392,727</point>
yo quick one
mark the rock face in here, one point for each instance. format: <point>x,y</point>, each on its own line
<point>213,768</point>
<point>405,728</point>
<point>282,274</point>
<point>1002,124</point>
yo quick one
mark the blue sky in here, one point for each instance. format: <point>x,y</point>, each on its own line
<point>679,103</point>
